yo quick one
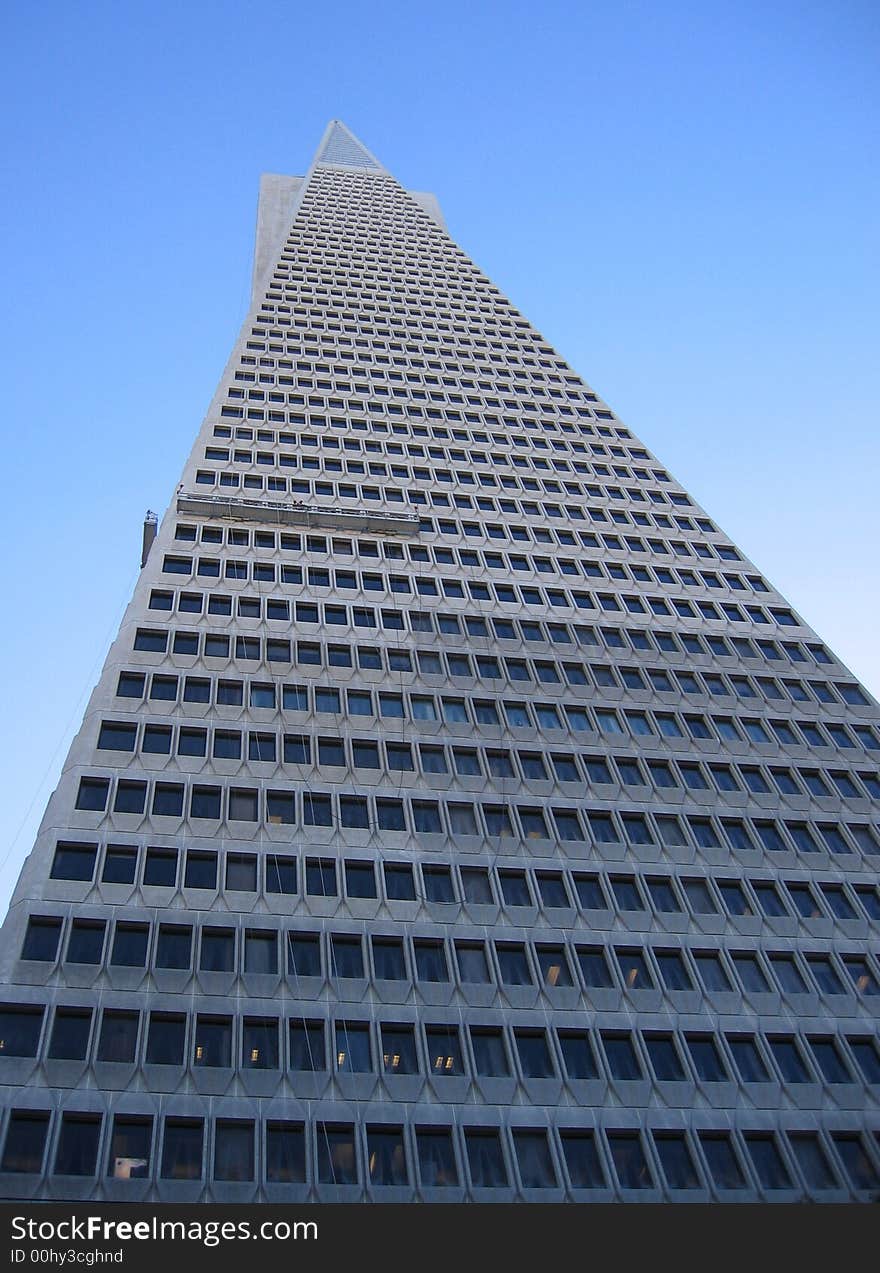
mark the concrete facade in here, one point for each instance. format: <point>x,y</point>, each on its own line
<point>458,813</point>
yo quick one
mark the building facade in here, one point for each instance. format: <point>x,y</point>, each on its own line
<point>458,814</point>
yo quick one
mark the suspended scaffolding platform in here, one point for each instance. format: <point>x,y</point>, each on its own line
<point>297,513</point>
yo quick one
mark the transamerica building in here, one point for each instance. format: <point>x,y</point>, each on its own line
<point>459,814</point>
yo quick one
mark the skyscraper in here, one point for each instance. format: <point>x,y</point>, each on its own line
<point>458,813</point>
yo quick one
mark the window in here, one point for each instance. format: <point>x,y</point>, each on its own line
<point>70,1034</point>
<point>217,950</point>
<point>304,954</point>
<point>213,1042</point>
<point>747,1059</point>
<point>533,1159</point>
<point>399,1050</point>
<point>723,1164</point>
<point>353,1047</point>
<point>120,864</point>
<point>182,1149</point>
<point>706,1058</point>
<point>485,1158</point>
<point>41,939</point>
<point>437,1165</point>
<point>165,1039</point>
<point>386,1157</point>
<point>25,1142</point>
<point>673,970</point>
<point>664,1058</point>
<point>234,1151</point>
<point>812,1160</point>
<point>173,946</point>
<point>676,1160</point>
<point>321,877</point>
<point>629,1160</point>
<point>117,1042</point>
<point>130,945</point>
<point>307,1045</point>
<point>77,1151</point>
<point>859,1168</point>
<point>769,1165</point>
<point>582,1160</point>
<point>160,868</point>
<point>261,951</point>
<point>534,1054</point>
<point>74,861</point>
<point>285,1153</point>
<point>389,963</point>
<point>20,1030</point>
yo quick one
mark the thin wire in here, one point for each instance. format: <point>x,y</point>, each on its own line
<point>89,687</point>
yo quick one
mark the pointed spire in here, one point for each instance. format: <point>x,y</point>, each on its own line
<point>341,148</point>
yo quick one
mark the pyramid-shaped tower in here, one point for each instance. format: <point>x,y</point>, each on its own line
<point>458,814</point>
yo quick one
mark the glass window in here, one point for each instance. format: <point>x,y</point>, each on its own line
<point>77,1151</point>
<point>768,1162</point>
<point>629,1160</point>
<point>723,1164</point>
<point>307,1045</point>
<point>285,1153</point>
<point>182,1149</point>
<point>437,1166</point>
<point>217,950</point>
<point>485,1158</point>
<point>353,1047</point>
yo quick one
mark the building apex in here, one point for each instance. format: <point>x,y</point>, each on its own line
<point>340,148</point>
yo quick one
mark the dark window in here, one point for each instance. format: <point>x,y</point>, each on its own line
<point>129,1155</point>
<point>676,1161</point>
<point>485,1158</point>
<point>160,867</point>
<point>534,1054</point>
<point>182,1149</point>
<point>241,872</point>
<point>303,954</point>
<point>261,951</point>
<point>234,1151</point>
<point>388,959</point>
<point>582,1160</point>
<point>280,873</point>
<point>120,864</point>
<point>201,870</point>
<point>437,1166</point>
<point>117,1041</point>
<point>77,1152</point>
<point>212,1045</point>
<point>490,1054</point>
<point>768,1162</point>
<point>285,1153</point>
<point>130,945</point>
<point>533,1159</point>
<point>41,939</point>
<point>321,877</point>
<point>205,802</point>
<point>165,1039</point>
<point>217,950</point>
<point>629,1160</point>
<point>74,861</point>
<point>337,1155</point>
<point>70,1034</point>
<point>307,1045</point>
<point>173,949</point>
<point>722,1161</point>
<point>20,1030</point>
<point>25,1142</point>
<point>259,1043</point>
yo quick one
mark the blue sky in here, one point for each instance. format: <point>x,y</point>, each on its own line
<point>681,196</point>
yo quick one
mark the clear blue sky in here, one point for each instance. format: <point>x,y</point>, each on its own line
<point>681,196</point>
